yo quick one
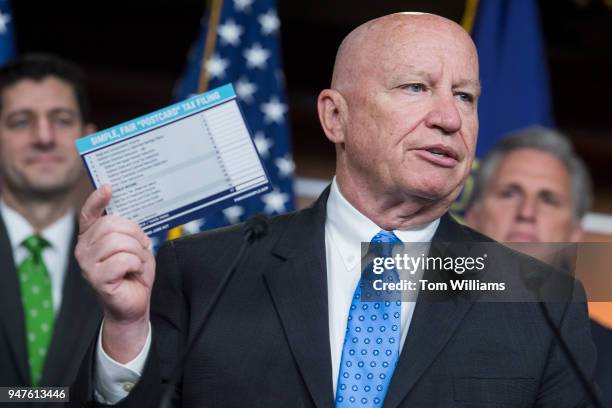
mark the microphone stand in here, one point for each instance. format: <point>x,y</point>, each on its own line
<point>534,283</point>
<point>255,228</point>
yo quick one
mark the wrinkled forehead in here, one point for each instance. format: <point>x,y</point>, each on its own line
<point>425,47</point>
<point>529,162</point>
<point>534,170</point>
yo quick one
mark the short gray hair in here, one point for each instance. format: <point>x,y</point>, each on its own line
<point>546,140</point>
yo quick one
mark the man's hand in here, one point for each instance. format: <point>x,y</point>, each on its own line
<point>114,255</point>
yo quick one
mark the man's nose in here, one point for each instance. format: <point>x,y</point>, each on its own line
<point>444,115</point>
<point>527,209</point>
<point>44,133</point>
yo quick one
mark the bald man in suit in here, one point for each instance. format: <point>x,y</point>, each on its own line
<point>291,329</point>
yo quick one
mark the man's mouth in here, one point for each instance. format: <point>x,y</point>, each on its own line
<point>44,159</point>
<point>518,236</point>
<point>439,155</point>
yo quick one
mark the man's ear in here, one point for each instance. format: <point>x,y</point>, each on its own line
<point>332,114</point>
<point>89,128</point>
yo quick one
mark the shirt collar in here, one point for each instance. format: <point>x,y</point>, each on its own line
<point>349,227</point>
<point>59,234</point>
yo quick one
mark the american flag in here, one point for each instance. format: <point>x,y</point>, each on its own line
<point>7,37</point>
<point>247,53</point>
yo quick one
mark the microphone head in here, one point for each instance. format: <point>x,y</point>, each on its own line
<point>256,227</point>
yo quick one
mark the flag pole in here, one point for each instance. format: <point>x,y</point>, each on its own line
<point>211,42</point>
<point>209,47</point>
<point>467,22</point>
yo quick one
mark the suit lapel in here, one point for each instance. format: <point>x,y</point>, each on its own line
<point>12,317</point>
<point>299,290</point>
<point>77,316</point>
<point>433,324</point>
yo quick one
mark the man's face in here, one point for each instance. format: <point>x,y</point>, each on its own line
<point>529,199</point>
<point>412,120</point>
<point>39,122</point>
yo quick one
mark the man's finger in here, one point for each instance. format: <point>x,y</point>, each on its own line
<point>94,206</point>
<point>116,242</point>
<point>107,275</point>
<point>112,224</point>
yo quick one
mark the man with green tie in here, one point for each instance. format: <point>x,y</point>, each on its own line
<point>47,311</point>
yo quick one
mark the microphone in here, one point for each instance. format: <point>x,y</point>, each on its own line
<point>534,283</point>
<point>256,227</point>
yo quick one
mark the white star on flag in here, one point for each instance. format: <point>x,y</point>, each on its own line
<point>269,22</point>
<point>263,144</point>
<point>256,56</point>
<point>230,33</point>
<point>4,20</point>
<point>245,89</point>
<point>275,201</point>
<point>216,66</point>
<point>248,55</point>
<point>193,227</point>
<point>242,5</point>
<point>233,213</point>
<point>273,110</point>
<point>285,165</point>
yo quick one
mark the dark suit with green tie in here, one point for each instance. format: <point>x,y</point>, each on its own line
<point>76,322</point>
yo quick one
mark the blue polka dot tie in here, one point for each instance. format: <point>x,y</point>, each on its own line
<point>371,343</point>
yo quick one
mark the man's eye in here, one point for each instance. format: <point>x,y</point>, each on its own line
<point>416,88</point>
<point>64,122</point>
<point>507,193</point>
<point>465,97</point>
<point>551,200</point>
<point>18,123</point>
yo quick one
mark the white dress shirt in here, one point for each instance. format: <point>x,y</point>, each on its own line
<point>345,229</point>
<point>59,235</point>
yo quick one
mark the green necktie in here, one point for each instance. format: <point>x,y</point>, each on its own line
<point>37,299</point>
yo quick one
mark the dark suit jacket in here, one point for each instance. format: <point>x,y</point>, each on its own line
<point>602,336</point>
<point>267,343</point>
<point>77,321</point>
